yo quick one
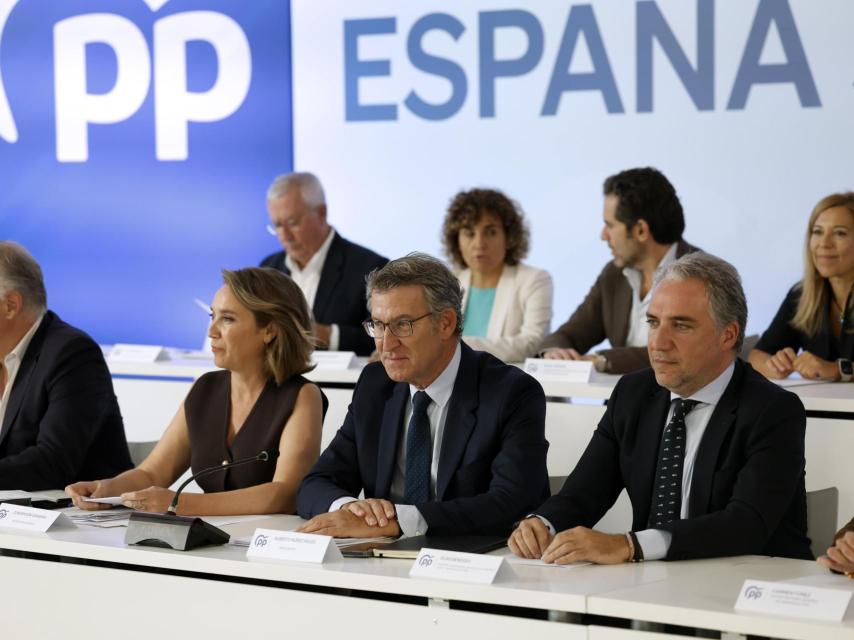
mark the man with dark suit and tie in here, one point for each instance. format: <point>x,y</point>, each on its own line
<point>329,269</point>
<point>442,439</point>
<point>59,415</point>
<point>710,453</point>
<point>643,226</point>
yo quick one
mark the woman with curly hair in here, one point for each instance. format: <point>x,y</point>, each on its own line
<point>507,306</point>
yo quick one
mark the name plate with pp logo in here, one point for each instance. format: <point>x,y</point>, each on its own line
<point>333,360</point>
<point>137,353</point>
<point>791,599</point>
<point>460,567</point>
<point>559,370</point>
<point>271,544</point>
<point>14,516</point>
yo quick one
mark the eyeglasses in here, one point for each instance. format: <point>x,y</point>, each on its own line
<point>399,328</point>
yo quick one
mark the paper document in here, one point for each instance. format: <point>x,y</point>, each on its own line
<point>113,500</point>
<point>539,563</point>
<point>798,382</point>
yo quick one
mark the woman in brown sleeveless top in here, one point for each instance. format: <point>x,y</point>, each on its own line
<point>261,336</point>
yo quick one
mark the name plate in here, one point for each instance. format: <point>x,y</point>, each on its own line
<point>797,600</point>
<point>13,516</point>
<point>137,353</point>
<point>559,370</point>
<point>333,360</point>
<point>271,544</point>
<point>459,567</point>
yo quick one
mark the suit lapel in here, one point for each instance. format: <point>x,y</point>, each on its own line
<point>333,267</point>
<point>716,431</point>
<point>503,296</point>
<point>460,421</point>
<point>390,430</point>
<point>22,379</point>
<point>645,458</point>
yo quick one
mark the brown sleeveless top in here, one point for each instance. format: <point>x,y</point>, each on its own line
<point>208,407</point>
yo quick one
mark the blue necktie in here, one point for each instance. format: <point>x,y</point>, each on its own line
<point>667,494</point>
<point>419,451</point>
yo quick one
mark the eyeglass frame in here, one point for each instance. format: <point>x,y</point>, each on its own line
<point>370,325</point>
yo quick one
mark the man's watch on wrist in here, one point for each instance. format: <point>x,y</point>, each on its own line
<point>600,363</point>
<point>846,369</point>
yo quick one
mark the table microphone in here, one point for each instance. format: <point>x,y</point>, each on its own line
<point>181,532</point>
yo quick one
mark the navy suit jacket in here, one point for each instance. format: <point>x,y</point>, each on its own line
<point>340,295</point>
<point>492,464</point>
<point>747,492</point>
<point>62,422</point>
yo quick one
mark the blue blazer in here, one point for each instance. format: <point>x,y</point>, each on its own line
<point>340,295</point>
<point>492,465</point>
<point>62,423</point>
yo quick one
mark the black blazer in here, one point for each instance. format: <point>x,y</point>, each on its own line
<point>62,423</point>
<point>492,465</point>
<point>340,295</point>
<point>747,492</point>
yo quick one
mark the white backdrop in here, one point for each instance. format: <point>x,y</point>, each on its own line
<point>747,177</point>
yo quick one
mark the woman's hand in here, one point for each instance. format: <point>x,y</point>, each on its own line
<point>153,499</point>
<point>812,367</point>
<point>782,363</point>
<point>88,489</point>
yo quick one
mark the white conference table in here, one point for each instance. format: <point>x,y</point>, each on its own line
<point>85,582</point>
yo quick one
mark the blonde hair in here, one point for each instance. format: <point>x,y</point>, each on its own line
<point>809,316</point>
<point>273,298</point>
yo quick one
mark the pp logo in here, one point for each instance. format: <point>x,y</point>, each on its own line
<point>174,106</point>
<point>261,541</point>
<point>753,592</point>
<point>3,513</point>
<point>425,561</point>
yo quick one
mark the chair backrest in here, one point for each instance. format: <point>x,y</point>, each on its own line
<point>139,451</point>
<point>555,483</point>
<point>748,344</point>
<point>822,513</point>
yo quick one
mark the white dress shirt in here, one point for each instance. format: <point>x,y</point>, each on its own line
<point>409,519</point>
<point>12,362</point>
<point>307,279</point>
<point>638,328</point>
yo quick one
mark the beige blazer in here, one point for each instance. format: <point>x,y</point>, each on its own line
<point>521,314</point>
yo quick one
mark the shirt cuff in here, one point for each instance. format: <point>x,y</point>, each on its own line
<point>547,523</point>
<point>410,520</point>
<point>340,502</point>
<point>654,543</point>
<point>334,337</point>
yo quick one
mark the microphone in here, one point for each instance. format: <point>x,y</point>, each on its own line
<point>264,456</point>
<point>181,532</point>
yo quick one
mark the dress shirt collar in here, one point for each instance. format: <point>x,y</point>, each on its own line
<point>17,354</point>
<point>635,277</point>
<point>712,392</point>
<point>315,263</point>
<point>442,387</point>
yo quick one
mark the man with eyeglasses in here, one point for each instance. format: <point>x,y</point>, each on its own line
<point>440,438</point>
<point>329,269</point>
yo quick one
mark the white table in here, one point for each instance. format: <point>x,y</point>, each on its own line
<point>86,583</point>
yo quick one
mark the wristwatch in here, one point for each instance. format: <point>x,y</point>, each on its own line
<point>846,369</point>
<point>601,364</point>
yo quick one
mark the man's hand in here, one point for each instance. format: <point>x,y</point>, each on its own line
<point>374,511</point>
<point>581,544</point>
<point>812,367</point>
<point>346,524</point>
<point>840,557</point>
<point>530,539</point>
<point>322,334</point>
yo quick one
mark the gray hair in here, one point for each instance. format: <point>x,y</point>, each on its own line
<point>20,272</point>
<point>309,186</point>
<point>441,288</point>
<point>727,302</point>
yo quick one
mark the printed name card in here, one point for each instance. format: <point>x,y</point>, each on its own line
<point>797,600</point>
<point>137,353</point>
<point>559,370</point>
<point>270,544</point>
<point>333,360</point>
<point>460,567</point>
<point>13,516</point>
